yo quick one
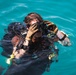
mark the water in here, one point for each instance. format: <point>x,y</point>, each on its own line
<point>61,12</point>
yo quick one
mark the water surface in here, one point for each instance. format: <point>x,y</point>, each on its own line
<point>61,12</point>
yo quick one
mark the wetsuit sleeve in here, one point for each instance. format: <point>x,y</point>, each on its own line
<point>52,27</point>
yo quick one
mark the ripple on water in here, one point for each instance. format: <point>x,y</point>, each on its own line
<point>61,12</point>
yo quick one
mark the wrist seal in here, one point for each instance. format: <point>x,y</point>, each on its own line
<point>63,37</point>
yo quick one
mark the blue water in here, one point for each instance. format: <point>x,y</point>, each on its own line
<point>61,12</point>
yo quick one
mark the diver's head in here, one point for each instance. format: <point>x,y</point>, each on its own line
<point>16,28</point>
<point>32,18</point>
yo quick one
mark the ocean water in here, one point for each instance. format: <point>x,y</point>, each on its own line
<point>61,12</point>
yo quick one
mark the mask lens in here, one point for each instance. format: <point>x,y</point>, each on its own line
<point>28,25</point>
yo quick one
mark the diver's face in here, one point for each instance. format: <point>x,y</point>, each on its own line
<point>32,22</point>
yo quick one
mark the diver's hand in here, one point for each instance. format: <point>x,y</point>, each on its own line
<point>63,38</point>
<point>15,40</point>
<point>66,42</point>
<point>33,28</point>
<point>18,54</point>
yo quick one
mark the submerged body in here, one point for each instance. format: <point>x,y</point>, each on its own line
<point>36,64</point>
<point>39,54</point>
<point>1,69</point>
<point>35,60</point>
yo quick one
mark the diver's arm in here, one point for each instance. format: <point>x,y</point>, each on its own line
<point>15,40</point>
<point>51,26</point>
<point>32,29</point>
<point>14,49</point>
<point>26,42</point>
<point>61,36</point>
<point>26,45</point>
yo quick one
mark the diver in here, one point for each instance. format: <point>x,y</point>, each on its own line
<point>18,30</point>
<point>37,31</point>
<point>34,22</point>
<point>40,48</point>
<point>46,27</point>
